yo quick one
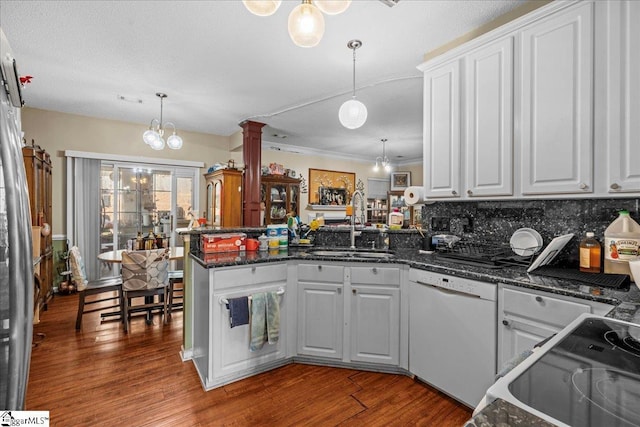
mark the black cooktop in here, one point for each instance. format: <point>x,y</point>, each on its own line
<point>590,378</point>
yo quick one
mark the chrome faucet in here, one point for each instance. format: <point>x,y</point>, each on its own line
<point>355,233</point>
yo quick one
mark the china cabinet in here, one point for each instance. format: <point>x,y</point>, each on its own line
<point>37,163</point>
<point>224,198</point>
<point>280,195</point>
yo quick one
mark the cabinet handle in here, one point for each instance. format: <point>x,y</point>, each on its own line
<point>339,291</point>
<point>469,192</point>
<point>583,186</point>
<point>539,298</point>
<point>505,322</point>
<point>253,269</point>
<point>319,267</point>
<point>375,270</point>
<point>454,192</point>
<point>614,186</point>
<point>353,291</point>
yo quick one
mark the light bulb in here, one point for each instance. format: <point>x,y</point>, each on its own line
<point>157,144</point>
<point>262,7</point>
<point>376,167</point>
<point>149,136</point>
<point>352,114</point>
<point>174,142</point>
<point>332,7</point>
<point>387,167</point>
<point>306,25</point>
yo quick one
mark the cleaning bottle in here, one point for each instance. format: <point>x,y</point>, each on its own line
<point>396,218</point>
<point>590,251</point>
<point>621,243</point>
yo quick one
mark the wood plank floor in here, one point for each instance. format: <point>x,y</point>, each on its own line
<point>100,376</point>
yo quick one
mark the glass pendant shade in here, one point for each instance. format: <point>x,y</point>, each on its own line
<point>352,114</point>
<point>332,7</point>
<point>262,7</point>
<point>174,142</point>
<point>157,144</point>
<point>306,25</point>
<point>149,136</point>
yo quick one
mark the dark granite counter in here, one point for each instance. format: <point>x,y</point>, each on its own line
<point>627,303</point>
<point>503,413</point>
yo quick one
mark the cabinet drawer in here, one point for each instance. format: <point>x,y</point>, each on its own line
<point>554,311</point>
<point>375,275</point>
<point>321,273</point>
<point>249,275</point>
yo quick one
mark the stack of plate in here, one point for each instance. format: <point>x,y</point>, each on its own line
<point>526,241</point>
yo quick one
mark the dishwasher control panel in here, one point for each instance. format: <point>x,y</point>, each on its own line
<point>456,284</point>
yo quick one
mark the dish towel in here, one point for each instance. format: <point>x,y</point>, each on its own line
<point>238,311</point>
<point>258,322</point>
<point>273,317</point>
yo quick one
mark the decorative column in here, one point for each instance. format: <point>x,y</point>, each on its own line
<point>252,157</point>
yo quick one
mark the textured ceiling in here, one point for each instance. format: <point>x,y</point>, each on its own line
<point>221,65</point>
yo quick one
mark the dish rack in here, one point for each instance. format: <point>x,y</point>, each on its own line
<point>491,254</point>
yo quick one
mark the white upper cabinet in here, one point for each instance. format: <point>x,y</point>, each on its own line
<point>489,120</point>
<point>556,103</point>
<point>442,131</point>
<point>621,107</point>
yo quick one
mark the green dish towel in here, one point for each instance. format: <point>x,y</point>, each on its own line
<point>265,320</point>
<point>258,321</point>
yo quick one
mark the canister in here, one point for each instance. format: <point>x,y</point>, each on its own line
<point>264,242</point>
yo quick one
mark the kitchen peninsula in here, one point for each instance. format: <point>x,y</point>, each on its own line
<point>339,284</point>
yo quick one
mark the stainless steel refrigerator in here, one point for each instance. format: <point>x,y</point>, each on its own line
<point>16,257</point>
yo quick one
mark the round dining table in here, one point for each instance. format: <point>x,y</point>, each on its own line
<point>177,252</point>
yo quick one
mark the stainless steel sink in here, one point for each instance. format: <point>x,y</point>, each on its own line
<point>351,254</point>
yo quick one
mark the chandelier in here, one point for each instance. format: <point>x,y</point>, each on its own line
<point>382,161</point>
<point>353,113</point>
<point>306,23</point>
<point>153,135</point>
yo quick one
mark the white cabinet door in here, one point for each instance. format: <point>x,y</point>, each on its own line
<point>375,324</point>
<point>526,317</point>
<point>320,319</point>
<point>556,103</point>
<point>489,120</point>
<point>442,131</point>
<point>623,88</point>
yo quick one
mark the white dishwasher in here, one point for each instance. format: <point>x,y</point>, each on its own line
<point>452,334</point>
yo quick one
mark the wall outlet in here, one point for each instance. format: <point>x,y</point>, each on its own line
<point>440,223</point>
<point>467,224</point>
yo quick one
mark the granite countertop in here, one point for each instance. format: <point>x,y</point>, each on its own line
<point>502,413</point>
<point>627,303</point>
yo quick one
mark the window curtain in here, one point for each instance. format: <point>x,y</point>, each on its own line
<point>85,182</point>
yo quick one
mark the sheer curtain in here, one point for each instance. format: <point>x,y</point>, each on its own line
<point>83,210</point>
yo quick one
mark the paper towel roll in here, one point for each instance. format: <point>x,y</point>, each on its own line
<point>414,195</point>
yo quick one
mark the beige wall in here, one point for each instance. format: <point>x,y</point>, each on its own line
<point>57,132</point>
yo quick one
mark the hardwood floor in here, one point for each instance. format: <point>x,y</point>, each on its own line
<point>99,376</point>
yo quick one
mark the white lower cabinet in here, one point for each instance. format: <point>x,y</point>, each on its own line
<point>349,313</point>
<point>221,353</point>
<point>526,317</point>
<point>375,315</point>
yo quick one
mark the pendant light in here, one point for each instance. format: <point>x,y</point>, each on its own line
<point>353,113</point>
<point>306,25</point>
<point>332,7</point>
<point>382,161</point>
<point>153,135</point>
<point>262,7</point>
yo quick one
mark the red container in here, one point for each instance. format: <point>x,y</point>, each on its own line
<point>225,242</point>
<point>252,244</point>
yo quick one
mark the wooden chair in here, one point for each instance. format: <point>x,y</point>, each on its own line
<point>94,287</point>
<point>176,290</point>
<point>145,274</point>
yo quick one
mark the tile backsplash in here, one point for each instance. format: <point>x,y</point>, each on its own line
<point>497,220</point>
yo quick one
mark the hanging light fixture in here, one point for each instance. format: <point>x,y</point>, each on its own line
<point>306,25</point>
<point>306,22</point>
<point>262,7</point>
<point>153,135</point>
<point>382,161</point>
<point>353,113</point>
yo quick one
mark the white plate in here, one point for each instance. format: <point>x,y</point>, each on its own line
<point>550,252</point>
<point>526,241</point>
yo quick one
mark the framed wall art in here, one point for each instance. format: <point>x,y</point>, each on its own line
<point>400,180</point>
<point>330,188</point>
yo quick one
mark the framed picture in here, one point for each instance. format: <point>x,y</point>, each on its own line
<point>400,180</point>
<point>327,184</point>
